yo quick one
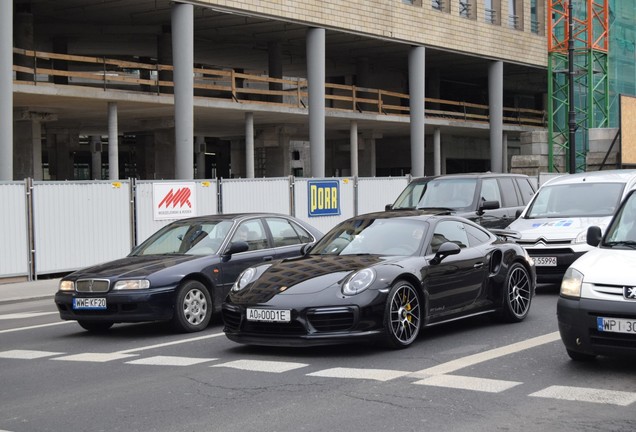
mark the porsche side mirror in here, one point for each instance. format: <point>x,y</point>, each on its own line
<point>236,247</point>
<point>445,249</point>
<point>594,235</point>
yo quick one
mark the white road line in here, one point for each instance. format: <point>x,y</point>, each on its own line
<point>132,350</point>
<point>94,357</point>
<point>170,361</point>
<point>356,373</point>
<point>28,354</point>
<point>262,365</point>
<point>34,327</point>
<point>468,383</point>
<point>22,315</point>
<point>481,357</point>
<point>582,394</point>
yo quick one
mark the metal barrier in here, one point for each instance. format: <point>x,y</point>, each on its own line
<point>55,227</point>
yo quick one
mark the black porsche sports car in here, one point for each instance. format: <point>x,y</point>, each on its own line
<point>381,275</point>
<point>181,273</point>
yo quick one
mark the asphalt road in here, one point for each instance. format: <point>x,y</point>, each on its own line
<point>476,375</point>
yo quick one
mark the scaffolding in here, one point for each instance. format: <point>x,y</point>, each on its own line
<point>589,102</point>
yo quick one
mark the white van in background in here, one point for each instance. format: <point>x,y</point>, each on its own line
<point>553,226</point>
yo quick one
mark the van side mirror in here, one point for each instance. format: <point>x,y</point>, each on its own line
<point>593,236</point>
<point>388,207</point>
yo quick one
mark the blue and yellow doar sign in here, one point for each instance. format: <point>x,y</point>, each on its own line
<point>324,197</point>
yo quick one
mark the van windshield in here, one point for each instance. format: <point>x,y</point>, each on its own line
<point>622,232</point>
<point>576,200</point>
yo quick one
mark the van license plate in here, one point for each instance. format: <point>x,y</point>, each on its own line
<point>616,325</point>
<point>544,261</point>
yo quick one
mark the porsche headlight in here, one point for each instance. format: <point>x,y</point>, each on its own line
<point>132,284</point>
<point>571,283</point>
<point>67,285</point>
<point>244,279</point>
<point>580,238</point>
<point>358,282</point>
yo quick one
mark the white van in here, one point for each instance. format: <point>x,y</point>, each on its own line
<point>553,226</point>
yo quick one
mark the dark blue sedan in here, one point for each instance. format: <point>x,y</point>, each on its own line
<point>181,273</point>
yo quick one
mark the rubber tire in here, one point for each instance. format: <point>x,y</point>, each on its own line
<point>413,312</point>
<point>192,294</point>
<point>579,356</point>
<point>516,300</point>
<point>95,326</point>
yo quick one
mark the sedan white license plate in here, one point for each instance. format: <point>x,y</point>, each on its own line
<point>616,325</point>
<point>545,261</point>
<point>269,315</point>
<point>94,303</point>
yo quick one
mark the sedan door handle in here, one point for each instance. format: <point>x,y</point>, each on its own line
<point>268,258</point>
<point>478,265</point>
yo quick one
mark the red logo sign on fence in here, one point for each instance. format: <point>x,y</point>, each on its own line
<point>173,200</point>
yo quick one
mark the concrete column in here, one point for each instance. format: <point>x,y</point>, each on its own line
<point>23,38</point>
<point>437,152</point>
<point>372,165</point>
<point>164,57</point>
<point>495,102</point>
<point>353,140</point>
<point>316,90</point>
<point>62,145</point>
<point>113,142</point>
<point>275,68</point>
<point>183,53</point>
<point>416,94</point>
<point>249,145</point>
<point>96,156</point>
<point>200,148</point>
<point>6,90</point>
<point>27,148</point>
<point>504,153</point>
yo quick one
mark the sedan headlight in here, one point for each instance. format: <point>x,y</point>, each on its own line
<point>247,276</point>
<point>571,283</point>
<point>133,284</point>
<point>67,285</point>
<point>358,282</point>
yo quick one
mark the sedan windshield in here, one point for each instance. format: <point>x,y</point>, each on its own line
<point>191,238</point>
<point>373,237</point>
<point>576,200</point>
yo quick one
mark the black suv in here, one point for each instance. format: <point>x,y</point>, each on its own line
<point>490,199</point>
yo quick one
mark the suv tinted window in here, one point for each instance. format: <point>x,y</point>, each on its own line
<point>490,190</point>
<point>510,198</point>
<point>526,189</point>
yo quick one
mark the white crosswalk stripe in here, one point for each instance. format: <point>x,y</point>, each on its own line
<point>23,315</point>
<point>170,361</point>
<point>582,394</point>
<point>95,357</point>
<point>357,373</point>
<point>27,354</point>
<point>468,383</point>
<point>262,365</point>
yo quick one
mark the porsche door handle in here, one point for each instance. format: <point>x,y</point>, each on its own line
<point>268,258</point>
<point>478,265</point>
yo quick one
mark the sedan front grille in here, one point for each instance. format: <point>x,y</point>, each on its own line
<point>92,285</point>
<point>331,319</point>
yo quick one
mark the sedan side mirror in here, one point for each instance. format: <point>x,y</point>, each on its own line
<point>445,249</point>
<point>593,236</point>
<point>236,247</point>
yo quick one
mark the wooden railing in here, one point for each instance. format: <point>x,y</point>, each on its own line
<point>42,68</point>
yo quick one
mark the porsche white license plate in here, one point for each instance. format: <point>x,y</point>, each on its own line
<point>545,261</point>
<point>269,315</point>
<point>93,303</point>
<point>616,325</point>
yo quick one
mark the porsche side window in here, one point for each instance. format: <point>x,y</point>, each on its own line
<point>476,236</point>
<point>449,231</point>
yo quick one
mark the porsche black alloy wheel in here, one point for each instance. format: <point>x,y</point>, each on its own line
<point>193,307</point>
<point>402,315</point>
<point>96,326</point>
<point>517,294</point>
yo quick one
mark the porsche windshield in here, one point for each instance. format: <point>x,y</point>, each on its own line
<point>576,200</point>
<point>373,237</point>
<point>196,238</point>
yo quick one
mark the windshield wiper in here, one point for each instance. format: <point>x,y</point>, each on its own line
<point>628,243</point>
